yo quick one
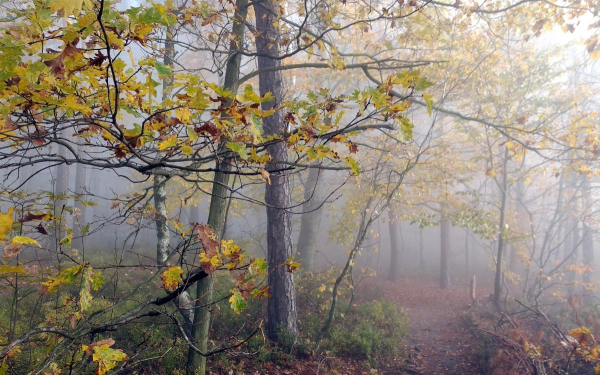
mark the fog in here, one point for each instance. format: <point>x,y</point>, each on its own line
<point>311,187</point>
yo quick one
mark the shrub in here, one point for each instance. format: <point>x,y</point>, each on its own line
<point>374,330</point>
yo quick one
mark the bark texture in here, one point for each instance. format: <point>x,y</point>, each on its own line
<point>281,307</point>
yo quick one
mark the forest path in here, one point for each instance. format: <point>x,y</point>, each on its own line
<point>439,342</point>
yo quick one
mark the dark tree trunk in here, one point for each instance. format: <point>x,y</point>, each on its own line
<point>310,223</point>
<point>281,307</point>
<point>394,245</point>
<point>444,252</point>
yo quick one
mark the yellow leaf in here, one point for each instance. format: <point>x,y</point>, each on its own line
<point>187,150</point>
<point>11,269</point>
<point>104,355</point>
<point>183,114</point>
<point>266,176</point>
<point>22,240</point>
<point>429,102</point>
<point>171,278</point>
<point>6,222</point>
<point>170,142</point>
<point>68,6</point>
<point>490,172</point>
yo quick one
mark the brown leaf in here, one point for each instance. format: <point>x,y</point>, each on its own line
<point>57,65</point>
<point>210,245</point>
<point>40,228</point>
<point>209,128</point>
<point>352,147</point>
<point>11,249</point>
<point>97,60</point>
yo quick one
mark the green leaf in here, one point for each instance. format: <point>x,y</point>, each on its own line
<point>238,148</point>
<point>163,70</point>
<point>237,301</point>
<point>66,241</point>
<point>423,84</point>
<point>64,277</point>
<point>260,265</point>
<point>104,355</point>
<point>86,229</point>
<point>406,128</point>
<point>353,164</point>
<point>429,102</point>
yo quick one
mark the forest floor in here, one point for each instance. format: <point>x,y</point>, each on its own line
<point>439,342</point>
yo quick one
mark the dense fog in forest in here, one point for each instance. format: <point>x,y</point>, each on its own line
<point>299,187</point>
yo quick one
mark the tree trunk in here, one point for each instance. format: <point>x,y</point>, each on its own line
<point>576,237</point>
<point>281,307</point>
<point>160,219</point>
<point>310,223</point>
<point>217,216</point>
<point>444,252</point>
<point>394,246</point>
<point>61,190</point>
<point>194,215</point>
<point>499,271</point>
<point>422,264</point>
<point>466,251</point>
<point>79,217</point>
<point>587,244</point>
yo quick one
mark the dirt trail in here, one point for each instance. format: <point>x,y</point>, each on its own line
<point>439,343</point>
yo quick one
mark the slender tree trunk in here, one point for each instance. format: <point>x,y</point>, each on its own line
<point>161,220</point>
<point>422,264</point>
<point>217,216</point>
<point>444,251</point>
<point>466,251</point>
<point>310,223</point>
<point>587,245</point>
<point>394,245</point>
<point>499,271</point>
<point>281,307</point>
<point>79,219</point>
<point>575,255</point>
<point>61,191</point>
<point>194,215</point>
